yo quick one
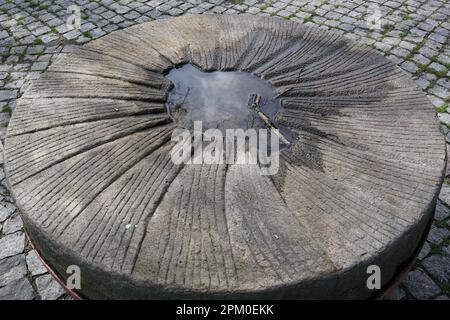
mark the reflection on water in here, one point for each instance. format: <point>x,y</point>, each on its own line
<point>219,99</point>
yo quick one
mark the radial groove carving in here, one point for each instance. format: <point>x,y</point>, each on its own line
<point>88,159</point>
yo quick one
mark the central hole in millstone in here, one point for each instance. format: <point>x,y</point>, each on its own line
<point>220,99</point>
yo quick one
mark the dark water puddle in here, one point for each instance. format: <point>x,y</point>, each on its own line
<point>219,99</point>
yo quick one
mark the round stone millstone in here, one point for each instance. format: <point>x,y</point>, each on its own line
<point>88,162</point>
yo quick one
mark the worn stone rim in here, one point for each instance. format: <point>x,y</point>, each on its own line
<point>59,254</point>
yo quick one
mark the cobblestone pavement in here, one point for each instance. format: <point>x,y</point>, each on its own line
<point>412,33</point>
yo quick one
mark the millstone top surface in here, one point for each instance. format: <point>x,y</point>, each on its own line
<point>88,162</point>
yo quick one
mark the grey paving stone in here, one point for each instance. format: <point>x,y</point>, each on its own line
<point>423,83</point>
<point>391,41</point>
<point>437,67</point>
<point>141,19</point>
<point>444,118</point>
<point>92,5</point>
<point>5,68</point>
<point>111,27</point>
<point>247,2</point>
<point>165,7</point>
<point>291,9</point>
<point>444,59</point>
<point>425,26</point>
<point>439,267</point>
<point>400,52</point>
<point>62,28</point>
<point>117,19</point>
<point>442,212</point>
<point>48,288</point>
<point>303,15</point>
<point>13,224</point>
<point>47,38</point>
<point>332,23</point>
<point>420,59</point>
<point>144,8</point>
<point>35,265</point>
<point>4,34</point>
<point>6,209</point>
<point>446,250</point>
<point>207,6</point>
<point>435,101</point>
<point>134,15</point>
<point>39,66</point>
<point>444,83</point>
<point>41,30</point>
<point>428,52</point>
<point>11,269</point>
<point>72,34</point>
<point>346,27</point>
<point>420,285</point>
<point>437,37</point>
<point>97,33</point>
<point>441,92</point>
<point>434,45</point>
<point>187,6</point>
<point>444,195</point>
<point>19,289</point>
<point>104,22</point>
<point>7,94</point>
<point>99,10</point>
<point>284,13</point>
<point>12,244</point>
<point>279,4</point>
<point>393,4</point>
<point>409,66</point>
<point>175,12</point>
<point>219,9</point>
<point>437,235</point>
<point>196,10</point>
<point>87,26</point>
<point>108,14</point>
<point>424,251</point>
<point>35,25</point>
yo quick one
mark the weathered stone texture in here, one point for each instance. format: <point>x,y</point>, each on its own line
<point>362,132</point>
